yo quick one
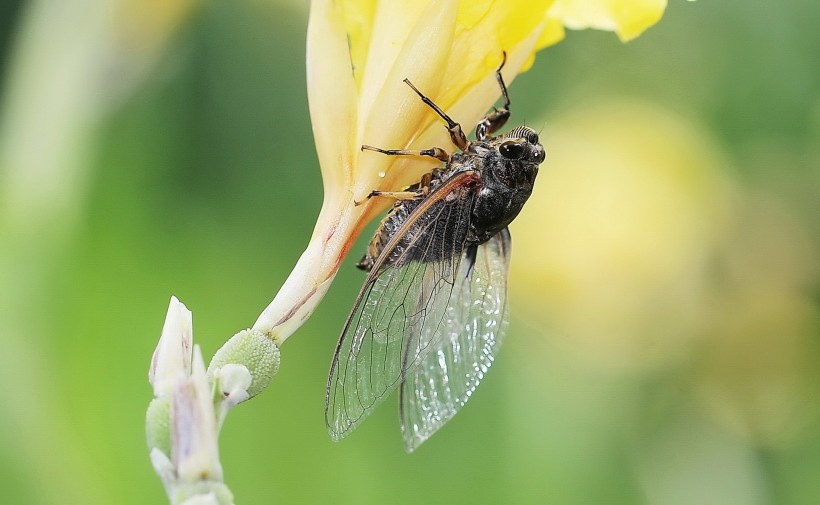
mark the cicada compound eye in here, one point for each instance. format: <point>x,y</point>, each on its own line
<point>511,149</point>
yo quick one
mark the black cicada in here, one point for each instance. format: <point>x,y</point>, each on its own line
<point>432,312</point>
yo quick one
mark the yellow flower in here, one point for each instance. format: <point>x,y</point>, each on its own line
<point>358,53</point>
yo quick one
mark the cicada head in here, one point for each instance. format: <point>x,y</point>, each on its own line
<point>512,160</point>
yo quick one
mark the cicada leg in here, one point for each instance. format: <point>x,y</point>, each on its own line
<point>423,189</point>
<point>456,133</point>
<point>495,119</point>
<point>434,152</point>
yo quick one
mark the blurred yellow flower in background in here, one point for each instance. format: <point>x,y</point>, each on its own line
<point>660,300</point>
<point>642,260</point>
<point>358,54</point>
<point>619,236</point>
<point>757,375</point>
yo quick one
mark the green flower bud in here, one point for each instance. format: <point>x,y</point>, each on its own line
<point>253,350</point>
<point>157,425</point>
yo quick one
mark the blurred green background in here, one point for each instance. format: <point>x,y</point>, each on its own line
<point>663,347</point>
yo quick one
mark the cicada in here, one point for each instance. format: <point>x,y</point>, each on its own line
<point>432,313</point>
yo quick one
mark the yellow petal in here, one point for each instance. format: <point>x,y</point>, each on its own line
<point>358,21</point>
<point>397,111</point>
<point>628,18</point>
<point>328,61</point>
<point>396,24</point>
<point>635,16</point>
<point>484,30</point>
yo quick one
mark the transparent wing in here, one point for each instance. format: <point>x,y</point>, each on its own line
<point>405,297</point>
<point>443,379</point>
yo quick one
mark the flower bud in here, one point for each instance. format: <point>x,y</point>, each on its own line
<point>258,354</point>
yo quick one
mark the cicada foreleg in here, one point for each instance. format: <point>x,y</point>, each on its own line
<point>494,120</point>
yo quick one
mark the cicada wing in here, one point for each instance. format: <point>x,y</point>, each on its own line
<point>470,335</point>
<point>407,292</point>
